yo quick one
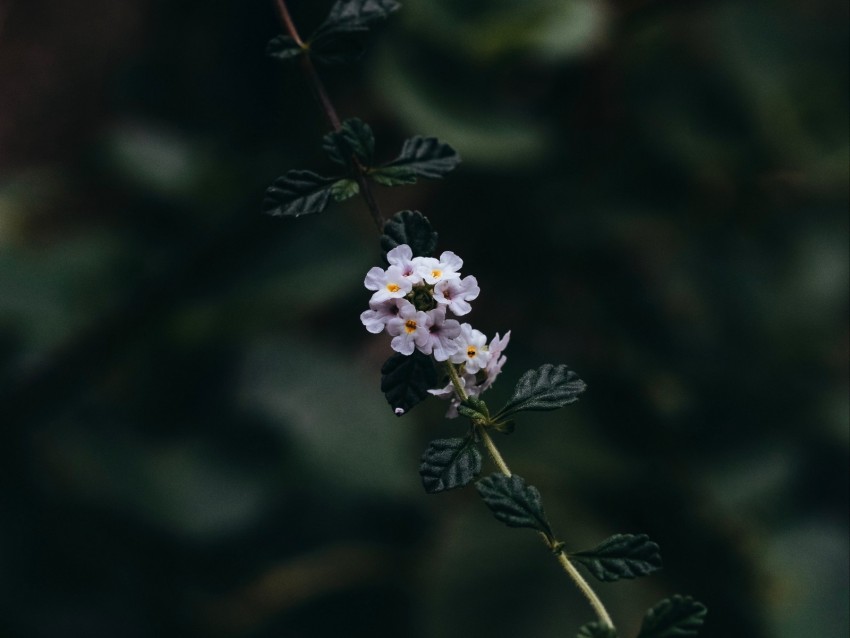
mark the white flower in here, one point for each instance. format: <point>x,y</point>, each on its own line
<point>457,293</point>
<point>435,270</point>
<point>449,393</point>
<point>441,335</point>
<point>497,360</point>
<point>409,329</point>
<point>402,257</point>
<point>375,319</point>
<point>473,349</point>
<point>387,284</point>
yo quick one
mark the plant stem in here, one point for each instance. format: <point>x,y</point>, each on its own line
<point>573,573</point>
<point>494,452</point>
<point>321,95</point>
<point>586,589</point>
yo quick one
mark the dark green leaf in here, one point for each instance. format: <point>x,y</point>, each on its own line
<point>412,228</point>
<point>425,157</point>
<point>596,630</point>
<point>513,502</point>
<point>282,47</point>
<point>449,463</point>
<point>298,193</point>
<point>674,617</point>
<point>547,388</point>
<point>475,409</point>
<point>343,189</point>
<point>355,137</point>
<point>621,556</point>
<point>347,16</point>
<point>405,380</point>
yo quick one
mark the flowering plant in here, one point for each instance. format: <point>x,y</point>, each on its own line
<point>416,298</point>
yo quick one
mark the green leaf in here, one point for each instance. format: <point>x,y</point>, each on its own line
<point>547,388</point>
<point>355,137</point>
<point>475,409</point>
<point>674,617</point>
<point>449,463</point>
<point>298,193</point>
<point>513,502</point>
<point>405,380</point>
<point>425,157</point>
<point>412,228</point>
<point>282,47</point>
<point>596,630</point>
<point>343,189</point>
<point>621,556</point>
<point>348,16</point>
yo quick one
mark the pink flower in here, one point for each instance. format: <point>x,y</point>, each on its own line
<point>457,293</point>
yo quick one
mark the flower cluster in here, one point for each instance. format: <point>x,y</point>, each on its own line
<point>412,300</point>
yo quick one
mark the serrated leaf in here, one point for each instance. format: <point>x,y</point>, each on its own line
<point>282,47</point>
<point>514,502</point>
<point>674,617</point>
<point>354,137</point>
<point>298,193</point>
<point>412,228</point>
<point>348,16</point>
<point>425,157</point>
<point>405,380</point>
<point>547,388</point>
<point>343,189</point>
<point>596,630</point>
<point>449,463</point>
<point>621,556</point>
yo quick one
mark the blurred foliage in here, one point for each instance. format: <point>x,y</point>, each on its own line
<point>653,192</point>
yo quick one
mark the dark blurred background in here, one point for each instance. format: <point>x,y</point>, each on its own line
<point>194,441</point>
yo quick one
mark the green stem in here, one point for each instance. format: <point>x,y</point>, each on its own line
<point>573,573</point>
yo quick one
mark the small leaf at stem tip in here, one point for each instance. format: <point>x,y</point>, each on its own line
<point>596,630</point>
<point>514,502</point>
<point>449,463</point>
<point>282,47</point>
<point>298,193</point>
<point>621,556</point>
<point>547,388</point>
<point>405,380</point>
<point>674,617</point>
<point>347,16</point>
<point>354,138</point>
<point>425,157</point>
<point>412,228</point>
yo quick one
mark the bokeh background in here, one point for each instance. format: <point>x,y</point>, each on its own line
<point>194,440</point>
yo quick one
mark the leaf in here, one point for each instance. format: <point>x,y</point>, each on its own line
<point>449,463</point>
<point>674,617</point>
<point>298,193</point>
<point>405,380</point>
<point>282,47</point>
<point>621,556</point>
<point>343,189</point>
<point>355,137</point>
<point>513,502</point>
<point>347,16</point>
<point>412,228</point>
<point>596,630</point>
<point>547,388</point>
<point>425,157</point>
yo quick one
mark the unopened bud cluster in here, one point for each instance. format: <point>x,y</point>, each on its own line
<point>412,301</point>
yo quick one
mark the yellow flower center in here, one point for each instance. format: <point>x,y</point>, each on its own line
<point>410,326</point>
<point>436,274</point>
<point>393,287</point>
<point>471,351</point>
